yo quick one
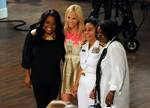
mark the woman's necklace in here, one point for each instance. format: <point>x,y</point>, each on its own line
<point>49,37</point>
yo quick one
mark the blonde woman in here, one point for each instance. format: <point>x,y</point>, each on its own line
<point>73,29</point>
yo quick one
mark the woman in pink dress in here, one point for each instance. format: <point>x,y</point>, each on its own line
<point>73,29</point>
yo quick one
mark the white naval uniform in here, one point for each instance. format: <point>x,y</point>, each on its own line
<point>115,75</point>
<point>88,63</point>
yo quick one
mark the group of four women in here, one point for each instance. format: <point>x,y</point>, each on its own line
<point>79,46</point>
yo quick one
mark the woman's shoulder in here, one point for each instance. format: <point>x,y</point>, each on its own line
<point>116,46</point>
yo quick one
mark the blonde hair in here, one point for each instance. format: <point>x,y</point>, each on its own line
<point>79,12</point>
<point>56,104</point>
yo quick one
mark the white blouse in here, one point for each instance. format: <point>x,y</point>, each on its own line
<point>115,75</point>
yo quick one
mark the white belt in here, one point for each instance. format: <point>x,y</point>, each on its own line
<point>72,56</point>
<point>90,70</point>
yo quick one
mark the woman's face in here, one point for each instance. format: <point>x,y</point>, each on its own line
<point>100,35</point>
<point>72,20</point>
<point>49,25</point>
<point>90,31</point>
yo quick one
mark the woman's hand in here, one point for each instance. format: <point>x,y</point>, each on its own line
<point>110,98</point>
<point>93,94</point>
<point>27,79</point>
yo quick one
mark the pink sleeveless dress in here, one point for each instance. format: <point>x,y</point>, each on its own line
<point>73,44</point>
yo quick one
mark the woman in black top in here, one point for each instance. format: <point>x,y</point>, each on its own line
<point>42,53</point>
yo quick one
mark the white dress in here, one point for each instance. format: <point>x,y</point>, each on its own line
<point>88,63</point>
<point>115,76</point>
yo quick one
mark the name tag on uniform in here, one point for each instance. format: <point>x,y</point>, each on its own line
<point>83,50</point>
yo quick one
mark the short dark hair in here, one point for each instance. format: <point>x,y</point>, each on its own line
<point>91,20</point>
<point>109,28</point>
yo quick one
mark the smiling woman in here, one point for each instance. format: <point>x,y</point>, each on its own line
<point>49,27</point>
<point>42,53</point>
<point>89,55</point>
<point>73,29</point>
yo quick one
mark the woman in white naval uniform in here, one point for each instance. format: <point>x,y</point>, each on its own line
<point>89,55</point>
<point>114,83</point>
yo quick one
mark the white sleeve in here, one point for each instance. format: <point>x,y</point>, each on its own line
<point>117,59</point>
